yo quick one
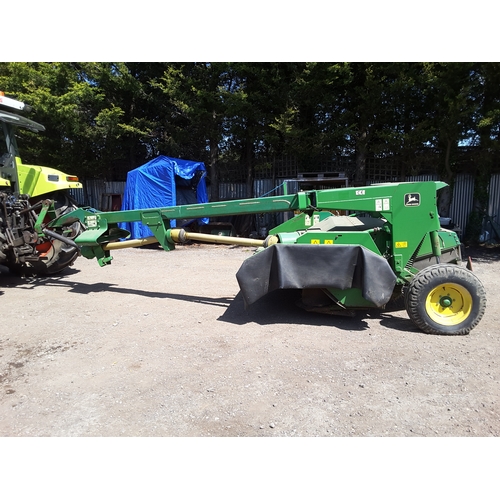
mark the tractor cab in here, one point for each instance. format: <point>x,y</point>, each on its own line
<point>32,180</point>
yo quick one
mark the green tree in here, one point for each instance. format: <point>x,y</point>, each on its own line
<point>258,109</point>
<point>195,95</point>
<point>91,112</point>
<point>318,97</point>
<point>452,106</point>
<point>104,119</point>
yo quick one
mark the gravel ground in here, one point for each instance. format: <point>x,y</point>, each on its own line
<point>160,344</point>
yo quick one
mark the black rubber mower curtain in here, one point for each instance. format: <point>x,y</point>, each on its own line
<point>316,266</point>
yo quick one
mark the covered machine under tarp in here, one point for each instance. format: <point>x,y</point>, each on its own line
<point>164,182</point>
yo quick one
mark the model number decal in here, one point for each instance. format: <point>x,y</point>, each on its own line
<point>360,192</point>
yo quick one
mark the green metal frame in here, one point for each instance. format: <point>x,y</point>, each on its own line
<point>408,211</point>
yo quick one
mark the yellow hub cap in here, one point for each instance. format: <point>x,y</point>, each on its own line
<point>449,304</point>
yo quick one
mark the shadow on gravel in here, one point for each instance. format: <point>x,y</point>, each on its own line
<point>9,279</point>
<point>85,288</point>
<point>279,307</point>
<point>276,307</point>
<point>397,323</point>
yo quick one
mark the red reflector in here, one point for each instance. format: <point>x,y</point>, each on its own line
<point>71,178</point>
<point>44,248</point>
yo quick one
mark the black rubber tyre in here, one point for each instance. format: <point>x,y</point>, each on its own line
<point>58,255</point>
<point>445,299</point>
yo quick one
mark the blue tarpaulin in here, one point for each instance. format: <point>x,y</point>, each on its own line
<point>163,182</point>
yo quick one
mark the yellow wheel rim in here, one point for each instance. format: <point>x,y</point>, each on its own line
<point>449,304</point>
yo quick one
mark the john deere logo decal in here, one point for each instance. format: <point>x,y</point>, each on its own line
<point>412,199</point>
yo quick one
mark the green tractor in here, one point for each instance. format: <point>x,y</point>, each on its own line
<point>22,189</point>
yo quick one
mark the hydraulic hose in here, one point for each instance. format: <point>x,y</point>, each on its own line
<point>67,241</point>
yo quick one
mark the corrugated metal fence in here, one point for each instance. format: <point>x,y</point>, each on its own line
<point>97,193</point>
<point>494,201</point>
<point>494,198</point>
<point>102,195</point>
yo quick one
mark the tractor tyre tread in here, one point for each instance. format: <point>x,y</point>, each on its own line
<point>433,276</point>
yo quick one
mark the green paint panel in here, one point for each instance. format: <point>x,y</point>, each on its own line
<point>351,298</point>
<point>334,238</point>
<point>300,222</point>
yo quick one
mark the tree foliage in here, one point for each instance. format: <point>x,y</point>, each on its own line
<point>104,119</point>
